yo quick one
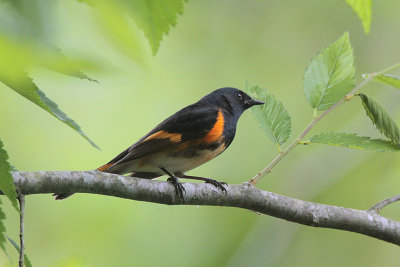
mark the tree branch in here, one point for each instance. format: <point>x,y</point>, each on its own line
<point>243,196</point>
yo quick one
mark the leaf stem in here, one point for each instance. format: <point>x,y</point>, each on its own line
<point>316,119</point>
<point>21,199</point>
<point>281,155</point>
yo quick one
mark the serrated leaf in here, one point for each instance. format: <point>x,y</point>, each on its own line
<point>380,118</point>
<point>53,59</point>
<point>155,17</point>
<point>2,230</point>
<point>363,9</point>
<point>18,56</point>
<point>6,179</point>
<point>15,58</point>
<point>355,141</point>
<point>27,262</point>
<point>386,79</point>
<point>24,85</point>
<point>389,79</point>
<point>121,31</point>
<point>272,116</point>
<point>330,75</point>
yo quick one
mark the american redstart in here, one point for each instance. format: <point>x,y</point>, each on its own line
<point>184,141</point>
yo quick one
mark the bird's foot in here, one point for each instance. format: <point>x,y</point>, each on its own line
<point>217,184</point>
<point>178,187</point>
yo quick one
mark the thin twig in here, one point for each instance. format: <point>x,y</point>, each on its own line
<point>380,205</point>
<point>21,199</point>
<point>316,119</point>
<point>281,155</point>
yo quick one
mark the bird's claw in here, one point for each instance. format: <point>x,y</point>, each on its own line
<point>178,187</point>
<point>217,184</point>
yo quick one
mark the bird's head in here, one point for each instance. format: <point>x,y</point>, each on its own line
<point>232,100</point>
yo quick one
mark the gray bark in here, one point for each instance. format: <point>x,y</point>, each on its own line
<point>243,196</point>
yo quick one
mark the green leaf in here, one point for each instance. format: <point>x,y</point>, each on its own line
<point>272,117</point>
<point>363,9</point>
<point>386,78</point>
<point>27,262</point>
<point>380,118</point>
<point>330,75</point>
<point>15,58</point>
<point>389,79</point>
<point>6,179</point>
<point>55,60</point>
<point>121,31</point>
<point>354,141</point>
<point>2,230</point>
<point>23,85</point>
<point>154,17</point>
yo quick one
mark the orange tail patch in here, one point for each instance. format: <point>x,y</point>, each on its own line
<point>105,167</point>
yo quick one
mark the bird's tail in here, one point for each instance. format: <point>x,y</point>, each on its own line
<point>61,196</point>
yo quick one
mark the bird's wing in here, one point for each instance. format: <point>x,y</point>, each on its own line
<point>189,124</point>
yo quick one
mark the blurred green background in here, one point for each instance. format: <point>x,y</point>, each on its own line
<point>215,44</point>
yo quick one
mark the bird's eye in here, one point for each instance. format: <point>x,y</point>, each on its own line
<point>239,96</point>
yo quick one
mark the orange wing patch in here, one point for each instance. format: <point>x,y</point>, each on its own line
<point>173,137</point>
<point>217,130</point>
<point>105,166</point>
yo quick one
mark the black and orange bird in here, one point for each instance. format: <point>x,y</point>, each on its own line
<point>184,141</point>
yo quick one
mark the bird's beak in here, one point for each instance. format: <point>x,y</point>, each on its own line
<point>253,102</point>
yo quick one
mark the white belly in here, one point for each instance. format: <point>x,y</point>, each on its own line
<point>180,164</point>
<point>171,163</point>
